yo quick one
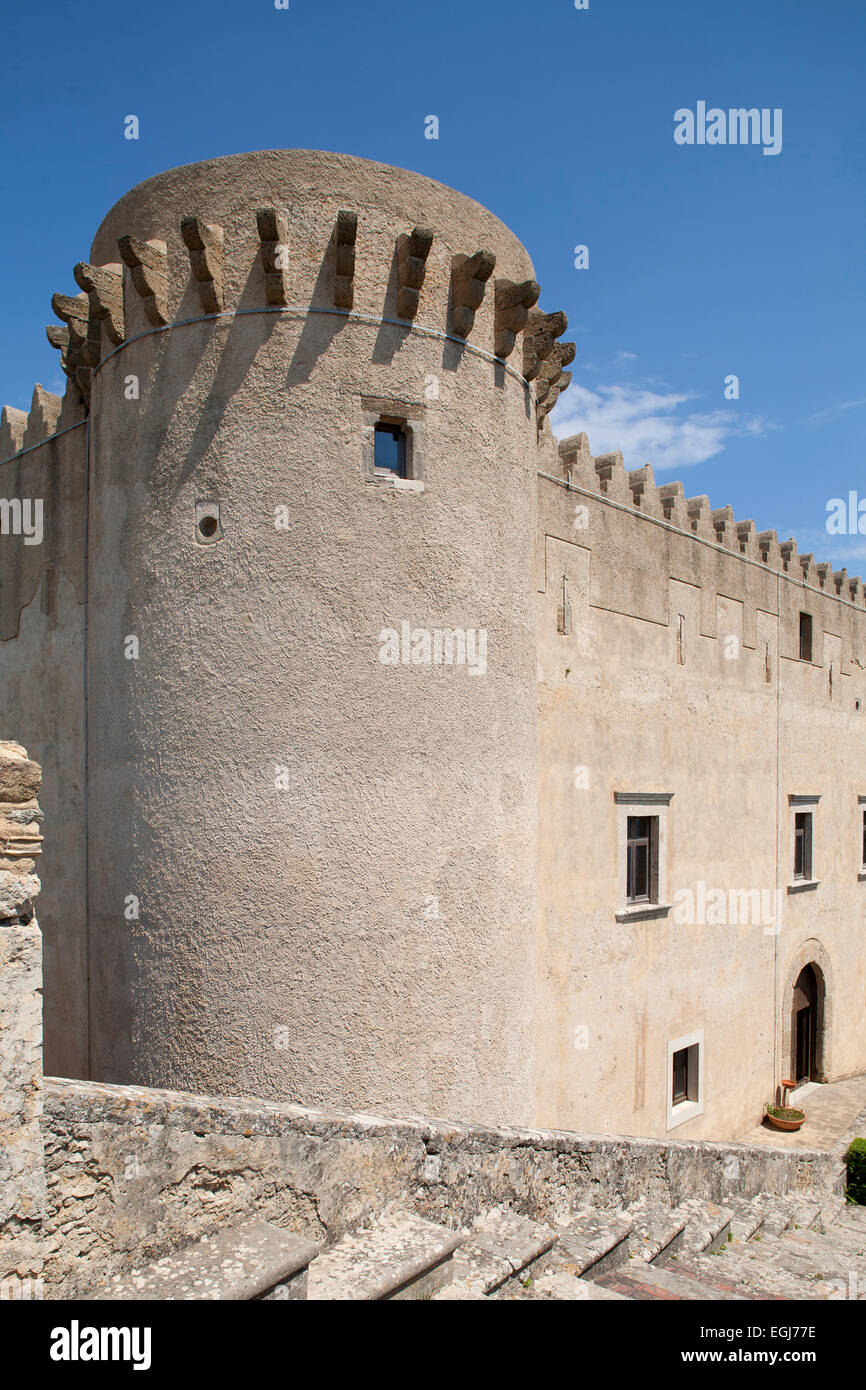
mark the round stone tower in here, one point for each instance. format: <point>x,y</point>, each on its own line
<point>310,645</point>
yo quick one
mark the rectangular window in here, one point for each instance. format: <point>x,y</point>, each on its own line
<point>641,870</point>
<point>803,845</point>
<point>392,443</point>
<point>863,847</point>
<point>642,859</point>
<point>805,637</point>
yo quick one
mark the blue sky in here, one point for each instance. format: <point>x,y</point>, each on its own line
<point>705,261</point>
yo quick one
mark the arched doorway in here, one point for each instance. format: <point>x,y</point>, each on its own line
<point>808,985</point>
<point>805,1062</point>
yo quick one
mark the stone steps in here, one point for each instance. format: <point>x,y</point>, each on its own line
<point>799,1263</point>
<point>706,1225</point>
<point>499,1246</point>
<point>656,1230</point>
<point>250,1261</point>
<point>750,1280</point>
<point>831,1249</point>
<point>830,1213</point>
<point>765,1270</point>
<point>592,1242</point>
<point>786,1213</point>
<point>747,1219</point>
<point>854,1217</point>
<point>562,1288</point>
<point>767,1247</point>
<point>847,1238</point>
<point>640,1280</point>
<point>763,1248</point>
<point>401,1257</point>
<point>805,1216</point>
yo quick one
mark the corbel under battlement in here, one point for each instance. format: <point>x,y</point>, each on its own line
<point>106,313</point>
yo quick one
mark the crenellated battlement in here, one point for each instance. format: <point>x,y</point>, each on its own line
<point>22,429</point>
<point>163,281</point>
<point>667,502</point>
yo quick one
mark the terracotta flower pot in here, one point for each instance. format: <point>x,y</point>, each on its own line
<point>788,1125</point>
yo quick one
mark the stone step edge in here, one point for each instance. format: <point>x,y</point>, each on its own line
<point>669,1279</point>
<point>498,1250</point>
<point>594,1251</point>
<point>707,1225</point>
<point>656,1233</point>
<point>559,1287</point>
<point>384,1261</point>
<point>238,1262</point>
<point>763,1273</point>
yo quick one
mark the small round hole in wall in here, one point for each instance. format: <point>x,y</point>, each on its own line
<point>208,526</point>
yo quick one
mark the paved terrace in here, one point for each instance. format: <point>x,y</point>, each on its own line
<point>835,1114</point>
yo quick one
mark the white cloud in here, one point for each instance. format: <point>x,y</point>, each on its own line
<point>649,426</point>
<point>832,410</point>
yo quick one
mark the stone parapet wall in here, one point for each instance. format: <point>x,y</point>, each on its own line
<point>22,1177</point>
<point>134,1173</point>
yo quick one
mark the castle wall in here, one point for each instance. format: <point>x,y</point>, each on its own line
<point>280,864</point>
<point>42,699</point>
<point>648,693</point>
<point>364,931</point>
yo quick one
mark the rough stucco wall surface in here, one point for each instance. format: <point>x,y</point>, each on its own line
<point>134,1173</point>
<point>365,934</point>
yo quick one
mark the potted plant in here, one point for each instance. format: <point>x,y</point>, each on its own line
<point>784,1116</point>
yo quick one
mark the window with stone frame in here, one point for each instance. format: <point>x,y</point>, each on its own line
<point>685,1084</point>
<point>392,443</point>
<point>641,854</point>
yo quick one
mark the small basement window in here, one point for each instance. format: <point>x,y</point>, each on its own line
<point>685,1074</point>
<point>389,449</point>
<point>685,1085</point>
<point>805,636</point>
